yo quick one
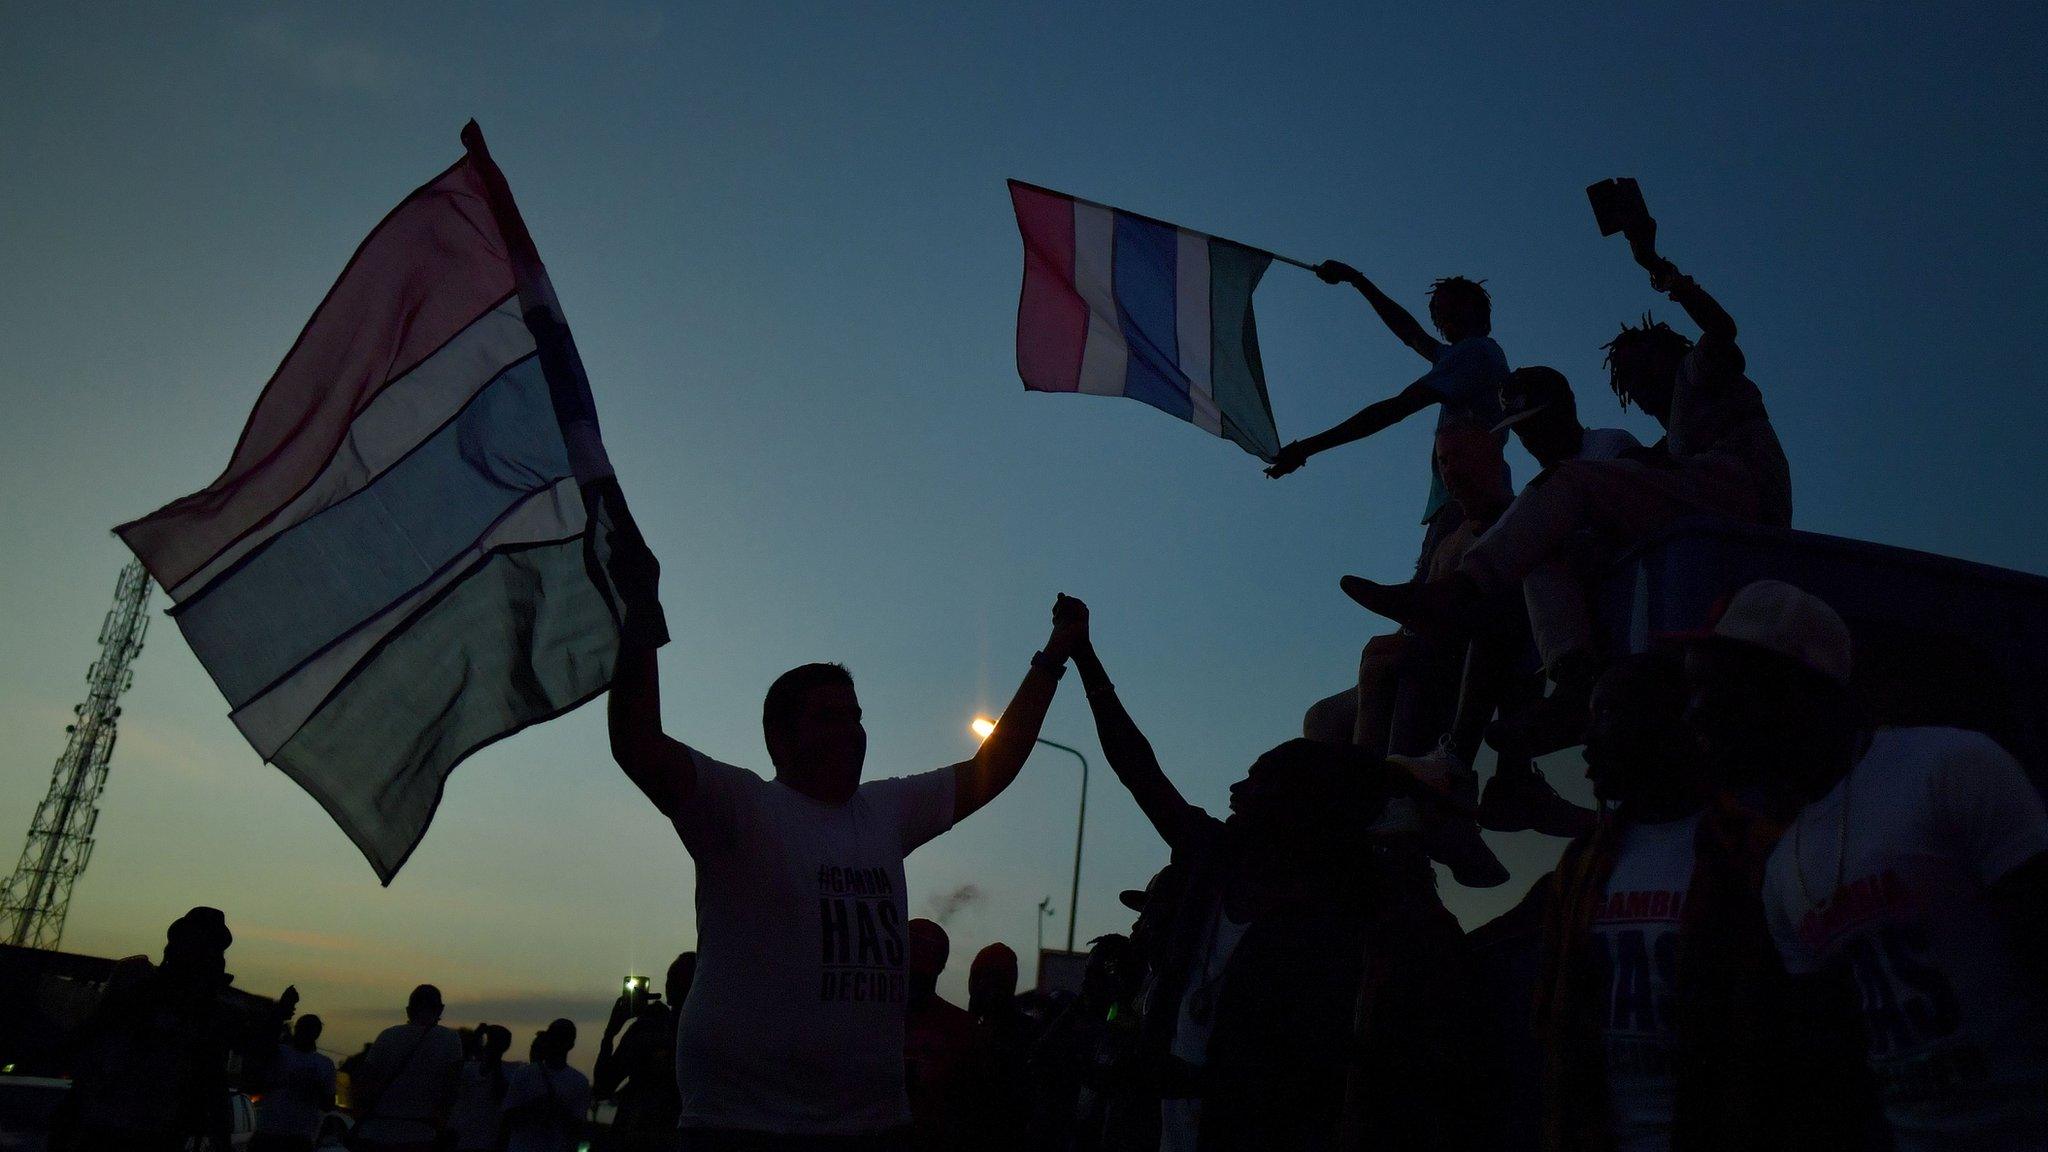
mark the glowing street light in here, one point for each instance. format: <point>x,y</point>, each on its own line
<point>983,728</point>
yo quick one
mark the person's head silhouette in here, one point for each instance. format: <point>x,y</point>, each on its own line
<point>1538,406</point>
<point>424,1005</point>
<point>306,1032</point>
<point>992,981</point>
<point>811,719</point>
<point>682,972</point>
<point>1638,752</point>
<point>1302,804</point>
<point>929,947</point>
<point>555,1042</point>
<point>1642,366</point>
<point>1460,308</point>
<point>494,1040</point>
<point>196,946</point>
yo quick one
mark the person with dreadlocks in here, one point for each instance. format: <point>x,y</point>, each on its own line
<point>1466,371</point>
<point>1720,456</point>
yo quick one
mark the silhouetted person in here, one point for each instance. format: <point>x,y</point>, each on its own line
<point>1917,866</point>
<point>1249,1022</point>
<point>1408,684</point>
<point>477,1117</point>
<point>1538,406</point>
<point>794,1028</point>
<point>151,1070</point>
<point>546,1100</point>
<point>639,1073</point>
<point>1662,1008</point>
<point>297,1092</point>
<point>938,1035</point>
<point>1464,378</point>
<point>407,1084</point>
<point>1720,456</point>
<point>1075,1065</point>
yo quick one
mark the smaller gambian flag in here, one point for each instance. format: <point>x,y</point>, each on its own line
<point>1117,304</point>
<point>408,556</point>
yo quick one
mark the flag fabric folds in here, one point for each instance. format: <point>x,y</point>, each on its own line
<point>398,566</point>
<point>1117,304</point>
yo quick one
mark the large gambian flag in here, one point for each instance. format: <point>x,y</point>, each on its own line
<point>1118,304</point>
<point>406,558</point>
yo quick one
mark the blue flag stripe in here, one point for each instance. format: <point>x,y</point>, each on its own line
<point>327,575</point>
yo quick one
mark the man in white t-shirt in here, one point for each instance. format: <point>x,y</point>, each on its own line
<point>1918,865</point>
<point>1661,1006</point>
<point>793,1032</point>
<point>298,1091</point>
<point>545,1099</point>
<point>408,1080</point>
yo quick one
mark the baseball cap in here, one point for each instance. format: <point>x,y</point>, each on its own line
<point>1791,622</point>
<point>1530,390</point>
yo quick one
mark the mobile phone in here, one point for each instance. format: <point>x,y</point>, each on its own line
<point>1617,204</point>
<point>636,991</point>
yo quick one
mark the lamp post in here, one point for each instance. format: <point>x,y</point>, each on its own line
<point>982,726</point>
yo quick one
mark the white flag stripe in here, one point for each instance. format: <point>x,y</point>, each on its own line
<point>1191,323</point>
<point>271,719</point>
<point>1105,357</point>
<point>408,411</point>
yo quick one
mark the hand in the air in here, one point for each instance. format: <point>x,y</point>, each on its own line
<point>1337,272</point>
<point>1069,627</point>
<point>1642,241</point>
<point>1290,457</point>
<point>622,1011</point>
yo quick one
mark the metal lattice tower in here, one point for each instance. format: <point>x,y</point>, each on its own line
<point>38,895</point>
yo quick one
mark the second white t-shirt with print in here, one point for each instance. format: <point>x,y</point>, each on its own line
<point>1636,937</point>
<point>1918,832</point>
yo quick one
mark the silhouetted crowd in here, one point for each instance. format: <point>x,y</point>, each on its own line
<point>1809,911</point>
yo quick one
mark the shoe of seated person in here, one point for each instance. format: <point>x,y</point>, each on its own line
<point>1552,724</point>
<point>1444,775</point>
<point>1455,840</point>
<point>1436,607</point>
<point>1449,792</point>
<point>1525,801</point>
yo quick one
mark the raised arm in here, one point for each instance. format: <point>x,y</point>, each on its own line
<point>1129,753</point>
<point>1714,321</point>
<point>1398,320</point>
<point>1368,421</point>
<point>661,767</point>
<point>1002,755</point>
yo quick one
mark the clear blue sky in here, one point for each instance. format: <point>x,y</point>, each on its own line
<point>782,238</point>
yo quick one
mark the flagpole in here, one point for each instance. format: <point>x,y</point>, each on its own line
<point>1301,264</point>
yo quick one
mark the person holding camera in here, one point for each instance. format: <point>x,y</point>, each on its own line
<point>637,1070</point>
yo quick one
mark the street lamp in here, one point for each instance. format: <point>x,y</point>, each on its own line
<point>983,727</point>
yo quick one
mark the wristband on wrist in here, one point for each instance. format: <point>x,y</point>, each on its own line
<point>1046,662</point>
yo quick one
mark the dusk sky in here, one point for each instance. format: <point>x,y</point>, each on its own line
<point>782,237</point>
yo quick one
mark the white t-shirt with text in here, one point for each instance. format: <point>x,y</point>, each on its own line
<point>1957,1031</point>
<point>795,1022</point>
<point>1635,937</point>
